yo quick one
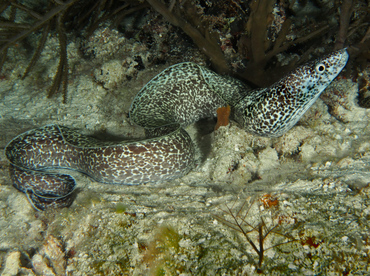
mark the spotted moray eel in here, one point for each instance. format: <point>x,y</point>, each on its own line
<point>178,96</point>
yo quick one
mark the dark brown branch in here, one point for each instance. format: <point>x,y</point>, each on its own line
<point>61,76</point>
<point>12,25</point>
<point>282,34</point>
<point>38,51</point>
<point>29,11</point>
<point>48,16</point>
<point>122,13</point>
<point>210,49</point>
<point>3,55</point>
<point>93,15</point>
<point>366,36</point>
<point>238,223</point>
<point>256,73</point>
<point>97,7</point>
<point>286,46</point>
<point>345,16</point>
<point>241,229</point>
<point>261,239</point>
<point>4,6</point>
<point>259,24</point>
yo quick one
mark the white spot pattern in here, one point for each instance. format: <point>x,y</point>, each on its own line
<point>180,95</point>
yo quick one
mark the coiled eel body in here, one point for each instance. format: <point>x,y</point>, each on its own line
<point>178,96</point>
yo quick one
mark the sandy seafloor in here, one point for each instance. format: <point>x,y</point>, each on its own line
<point>308,189</point>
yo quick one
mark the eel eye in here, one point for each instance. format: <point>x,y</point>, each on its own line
<point>320,68</point>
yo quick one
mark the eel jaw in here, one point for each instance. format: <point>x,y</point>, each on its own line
<point>273,111</point>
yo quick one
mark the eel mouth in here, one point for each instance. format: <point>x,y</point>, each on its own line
<point>343,58</point>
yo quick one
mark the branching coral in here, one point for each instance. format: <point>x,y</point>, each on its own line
<point>257,41</point>
<point>262,49</point>
<point>201,36</point>
<point>258,31</point>
<point>253,37</point>
<point>256,234</point>
<point>45,23</point>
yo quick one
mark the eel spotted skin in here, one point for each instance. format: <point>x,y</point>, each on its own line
<point>180,95</point>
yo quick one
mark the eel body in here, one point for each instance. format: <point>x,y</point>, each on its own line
<point>178,96</point>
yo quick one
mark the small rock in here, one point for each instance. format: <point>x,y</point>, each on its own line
<point>50,260</point>
<point>53,250</point>
<point>269,159</point>
<point>12,264</point>
<point>40,266</point>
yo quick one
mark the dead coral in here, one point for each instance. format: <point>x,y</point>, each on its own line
<point>44,22</point>
<point>19,20</point>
